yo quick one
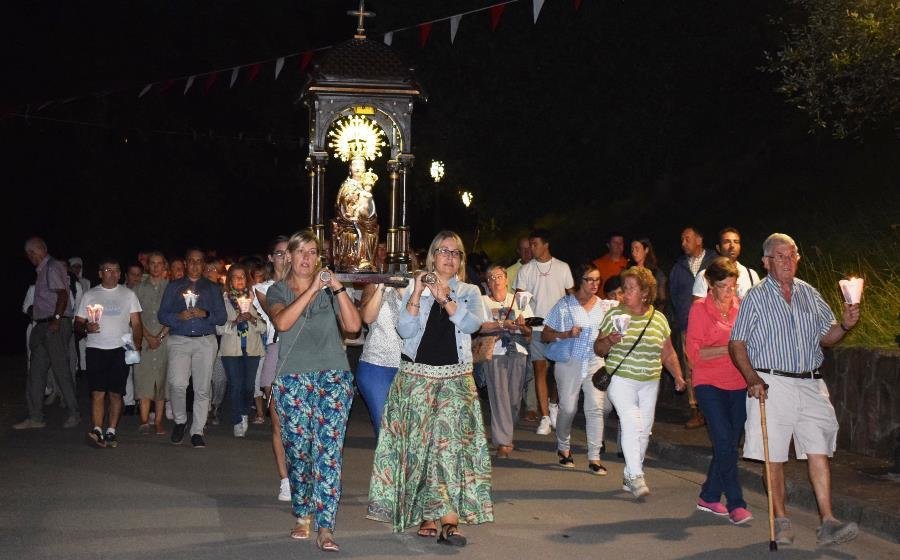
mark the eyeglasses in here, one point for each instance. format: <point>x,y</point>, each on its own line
<point>589,279</point>
<point>790,257</point>
<point>279,254</point>
<point>445,252</point>
<point>111,269</point>
<point>496,277</point>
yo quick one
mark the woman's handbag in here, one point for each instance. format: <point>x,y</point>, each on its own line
<point>602,378</point>
<point>483,348</point>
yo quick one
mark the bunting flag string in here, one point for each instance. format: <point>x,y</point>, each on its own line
<point>496,14</point>
<point>424,33</point>
<point>209,78</point>
<point>536,7</point>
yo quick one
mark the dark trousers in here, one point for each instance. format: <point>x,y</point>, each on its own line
<point>241,372</point>
<point>725,413</point>
<point>50,350</point>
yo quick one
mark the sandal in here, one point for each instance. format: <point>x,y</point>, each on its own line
<point>301,529</point>
<point>566,461</point>
<point>597,468</point>
<point>325,542</point>
<point>427,529</point>
<point>451,536</point>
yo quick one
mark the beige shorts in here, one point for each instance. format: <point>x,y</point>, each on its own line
<point>795,408</point>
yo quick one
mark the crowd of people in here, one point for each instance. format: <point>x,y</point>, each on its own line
<point>282,340</point>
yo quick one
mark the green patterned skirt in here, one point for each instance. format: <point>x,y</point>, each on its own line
<point>432,457</point>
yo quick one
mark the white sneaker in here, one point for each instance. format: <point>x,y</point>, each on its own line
<point>543,428</point>
<point>239,430</point>
<point>554,412</point>
<point>636,485</point>
<point>284,491</point>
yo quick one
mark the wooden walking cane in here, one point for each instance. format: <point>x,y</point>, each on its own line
<point>765,437</point>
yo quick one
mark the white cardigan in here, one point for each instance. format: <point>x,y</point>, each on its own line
<point>230,345</point>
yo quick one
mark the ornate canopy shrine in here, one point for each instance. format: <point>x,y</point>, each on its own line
<point>363,78</point>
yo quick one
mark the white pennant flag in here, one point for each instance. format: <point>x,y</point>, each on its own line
<point>234,75</point>
<point>279,64</point>
<point>389,38</point>
<point>538,4</point>
<point>145,90</point>
<point>188,84</point>
<point>454,26</point>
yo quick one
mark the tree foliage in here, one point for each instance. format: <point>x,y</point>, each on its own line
<point>841,64</point>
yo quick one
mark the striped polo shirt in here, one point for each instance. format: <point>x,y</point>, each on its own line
<point>782,336</point>
<point>644,363</point>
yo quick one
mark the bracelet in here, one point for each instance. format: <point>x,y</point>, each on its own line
<point>339,290</point>
<point>843,328</point>
<point>416,305</point>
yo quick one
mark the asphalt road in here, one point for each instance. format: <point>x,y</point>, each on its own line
<point>148,499</point>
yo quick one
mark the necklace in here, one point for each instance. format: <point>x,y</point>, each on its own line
<point>541,272</point>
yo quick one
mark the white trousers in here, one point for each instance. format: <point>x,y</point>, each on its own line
<point>635,401</point>
<point>569,384</point>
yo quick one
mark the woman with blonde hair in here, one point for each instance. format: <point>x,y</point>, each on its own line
<point>432,461</point>
<point>313,387</point>
<point>636,348</point>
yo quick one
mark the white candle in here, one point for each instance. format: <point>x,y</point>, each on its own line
<point>852,289</point>
<point>95,312</point>
<point>190,299</point>
<point>244,304</point>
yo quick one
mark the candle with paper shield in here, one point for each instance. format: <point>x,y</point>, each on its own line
<point>523,298</point>
<point>621,322</point>
<point>94,312</point>
<point>852,289</point>
<point>190,299</point>
<point>244,304</point>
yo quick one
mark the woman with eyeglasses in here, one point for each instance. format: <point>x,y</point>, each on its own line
<point>721,389</point>
<point>432,464</point>
<point>636,349</point>
<point>278,261</point>
<point>578,317</point>
<point>313,387</point>
<point>505,371</point>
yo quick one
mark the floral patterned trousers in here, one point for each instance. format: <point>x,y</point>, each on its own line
<point>314,408</point>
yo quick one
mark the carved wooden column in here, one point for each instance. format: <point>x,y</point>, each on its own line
<point>315,165</point>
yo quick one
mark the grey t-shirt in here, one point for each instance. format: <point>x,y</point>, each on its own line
<point>314,341</point>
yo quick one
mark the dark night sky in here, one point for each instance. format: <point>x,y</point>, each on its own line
<point>635,116</point>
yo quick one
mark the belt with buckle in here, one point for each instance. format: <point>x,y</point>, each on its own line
<point>792,374</point>
<point>48,319</point>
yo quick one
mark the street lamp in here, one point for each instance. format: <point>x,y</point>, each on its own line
<point>437,170</point>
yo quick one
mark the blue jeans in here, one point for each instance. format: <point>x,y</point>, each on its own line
<point>241,372</point>
<point>725,412</point>
<point>374,382</point>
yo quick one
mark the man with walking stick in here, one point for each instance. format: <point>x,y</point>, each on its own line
<point>777,345</point>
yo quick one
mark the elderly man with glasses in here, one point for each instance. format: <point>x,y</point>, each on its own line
<point>777,345</point>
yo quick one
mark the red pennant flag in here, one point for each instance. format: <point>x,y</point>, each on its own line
<point>424,33</point>
<point>577,5</point>
<point>254,71</point>
<point>209,82</point>
<point>166,86</point>
<point>305,60</point>
<point>496,14</point>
